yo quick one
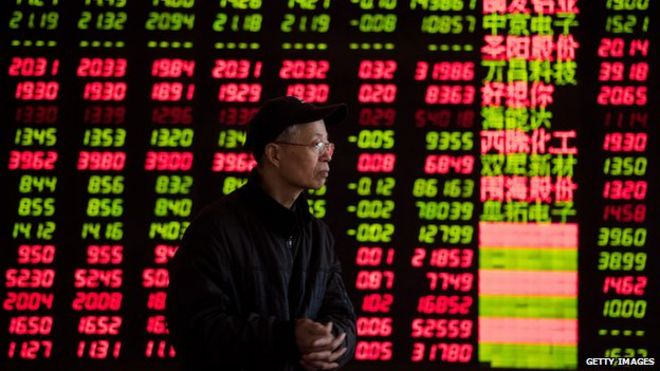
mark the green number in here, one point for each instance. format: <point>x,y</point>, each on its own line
<point>105,207</point>
<point>425,187</point>
<point>252,23</point>
<point>220,21</point>
<point>625,237</point>
<point>111,21</point>
<point>83,22</point>
<point>15,21</point>
<point>627,308</point>
<point>231,184</point>
<point>376,139</point>
<point>375,209</point>
<point>173,184</point>
<point>181,207</point>
<point>106,184</point>
<point>375,232</point>
<point>317,208</point>
<point>36,206</point>
<point>378,23</point>
<point>287,23</point>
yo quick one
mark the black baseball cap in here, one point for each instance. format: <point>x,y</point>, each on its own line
<point>279,113</point>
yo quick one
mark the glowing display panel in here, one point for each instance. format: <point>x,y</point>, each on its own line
<point>491,191</point>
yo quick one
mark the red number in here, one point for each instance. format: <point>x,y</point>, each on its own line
<point>95,278</point>
<point>373,351</point>
<point>28,301</point>
<point>376,162</point>
<point>625,213</point>
<point>168,67</point>
<point>98,349</point>
<point>32,114</point>
<point>239,92</point>
<point>95,160</point>
<point>443,164</point>
<point>37,90</point>
<point>451,352</point>
<point>29,278</point>
<point>611,48</point>
<point>99,325</point>
<point>36,254</point>
<point>611,71</point>
<point>374,280</point>
<point>312,93</point>
<point>626,285</point>
<point>453,71</point>
<point>369,256</point>
<point>374,303</point>
<point>31,325</point>
<point>233,162</point>
<point>30,349</point>
<point>172,161</point>
<point>234,69</point>
<point>105,254</point>
<point>625,189</point>
<point>102,67</point>
<point>87,301</point>
<point>441,328</point>
<point>625,142</point>
<point>236,116</point>
<point>32,160</point>
<point>622,96</point>
<point>157,300</point>
<point>104,115</point>
<point>163,253</point>
<point>104,91</point>
<point>377,116</point>
<point>449,94</point>
<point>443,304</point>
<point>304,69</point>
<point>377,69</point>
<point>377,93</point>
<point>450,281</point>
<point>155,277</point>
<point>374,326</point>
<point>31,67</point>
<point>639,71</point>
<point>157,325</point>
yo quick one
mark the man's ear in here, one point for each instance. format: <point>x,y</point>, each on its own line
<point>272,154</point>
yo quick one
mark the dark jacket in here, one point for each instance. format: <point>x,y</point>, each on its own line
<point>248,268</point>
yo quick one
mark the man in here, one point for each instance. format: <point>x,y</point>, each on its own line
<point>256,284</point>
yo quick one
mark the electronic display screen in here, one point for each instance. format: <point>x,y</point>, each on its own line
<point>493,193</point>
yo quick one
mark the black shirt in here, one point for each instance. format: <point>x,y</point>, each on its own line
<point>248,268</point>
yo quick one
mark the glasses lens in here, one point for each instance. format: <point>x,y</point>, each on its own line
<point>330,147</point>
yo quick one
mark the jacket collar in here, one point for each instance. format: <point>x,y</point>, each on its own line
<point>283,221</point>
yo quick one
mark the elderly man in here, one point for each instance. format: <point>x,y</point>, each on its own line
<point>256,283</point>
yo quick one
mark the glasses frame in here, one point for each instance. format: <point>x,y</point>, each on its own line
<point>320,147</point>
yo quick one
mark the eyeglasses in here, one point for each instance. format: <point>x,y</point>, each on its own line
<point>318,147</point>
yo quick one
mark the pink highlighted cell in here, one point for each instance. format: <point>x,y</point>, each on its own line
<point>542,283</point>
<point>528,331</point>
<point>528,235</point>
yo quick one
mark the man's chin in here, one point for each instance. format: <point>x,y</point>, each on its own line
<point>318,183</point>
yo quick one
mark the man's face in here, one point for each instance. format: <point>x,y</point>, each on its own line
<point>301,165</point>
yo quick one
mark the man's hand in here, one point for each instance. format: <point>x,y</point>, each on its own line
<point>325,359</point>
<point>312,336</point>
<point>318,346</point>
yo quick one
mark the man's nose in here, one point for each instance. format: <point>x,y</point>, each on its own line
<point>326,156</point>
